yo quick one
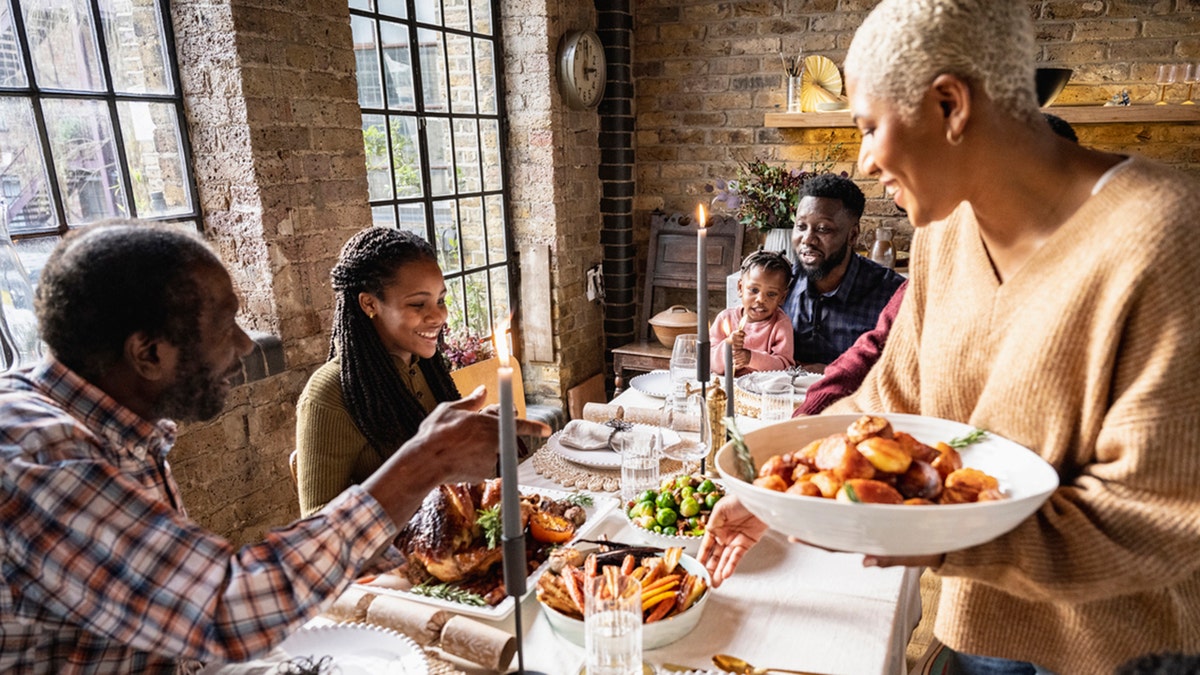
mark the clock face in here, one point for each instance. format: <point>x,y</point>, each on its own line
<point>582,69</point>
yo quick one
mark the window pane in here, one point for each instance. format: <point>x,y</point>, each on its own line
<point>485,75</point>
<point>497,244</point>
<point>429,11</point>
<point>364,5</point>
<point>12,67</point>
<point>133,36</point>
<point>412,218</point>
<point>441,159</point>
<point>481,16</point>
<point>398,63</point>
<point>457,14</point>
<point>24,181</point>
<point>500,306</point>
<point>489,130</point>
<point>33,254</point>
<point>445,228</point>
<point>433,70</point>
<point>366,60</point>
<point>406,158</point>
<point>396,8</point>
<point>454,304</point>
<point>474,245</point>
<point>466,155</point>
<point>62,42</point>
<point>85,160</point>
<point>154,152</point>
<point>478,303</point>
<point>383,216</point>
<point>379,180</point>
<point>462,73</point>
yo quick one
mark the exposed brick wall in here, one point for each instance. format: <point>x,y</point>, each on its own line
<point>276,135</point>
<point>706,72</point>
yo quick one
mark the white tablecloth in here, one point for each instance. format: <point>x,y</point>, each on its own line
<point>788,606</point>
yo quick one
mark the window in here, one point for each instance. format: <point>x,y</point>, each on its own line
<point>91,127</point>
<point>427,86</point>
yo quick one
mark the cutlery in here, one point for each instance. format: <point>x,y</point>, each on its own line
<point>732,664</point>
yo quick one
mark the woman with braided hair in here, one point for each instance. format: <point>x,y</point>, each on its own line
<point>384,374</point>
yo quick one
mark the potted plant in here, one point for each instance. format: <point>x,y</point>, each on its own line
<point>763,197</point>
<point>463,348</point>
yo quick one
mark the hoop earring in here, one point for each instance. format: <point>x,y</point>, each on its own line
<point>952,139</point>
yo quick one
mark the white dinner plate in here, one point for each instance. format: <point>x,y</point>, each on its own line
<point>656,383</point>
<point>600,459</point>
<point>352,649</point>
<point>601,505</point>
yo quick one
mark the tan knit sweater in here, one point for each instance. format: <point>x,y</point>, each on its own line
<point>1090,355</point>
<point>333,453</point>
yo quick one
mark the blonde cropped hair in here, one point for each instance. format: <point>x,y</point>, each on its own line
<point>903,45</point>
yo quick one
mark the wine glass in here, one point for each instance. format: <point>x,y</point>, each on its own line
<point>683,430</point>
<point>1191,76</point>
<point>1167,74</point>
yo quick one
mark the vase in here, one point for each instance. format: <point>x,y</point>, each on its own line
<point>780,239</point>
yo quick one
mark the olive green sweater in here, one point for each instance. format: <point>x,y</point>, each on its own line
<point>333,453</point>
<point>1090,355</point>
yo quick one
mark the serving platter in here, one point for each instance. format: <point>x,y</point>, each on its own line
<point>601,505</point>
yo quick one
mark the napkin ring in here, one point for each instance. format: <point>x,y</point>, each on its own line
<point>617,427</point>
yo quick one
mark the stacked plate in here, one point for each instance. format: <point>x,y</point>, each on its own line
<point>748,388</point>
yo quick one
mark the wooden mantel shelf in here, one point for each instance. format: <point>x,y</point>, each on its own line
<point>1075,114</point>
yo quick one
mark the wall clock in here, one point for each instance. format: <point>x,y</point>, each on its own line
<point>582,70</point>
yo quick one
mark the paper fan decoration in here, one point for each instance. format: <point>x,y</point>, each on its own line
<point>820,83</point>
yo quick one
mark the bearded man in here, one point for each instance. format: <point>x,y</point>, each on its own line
<point>837,294</point>
<point>101,570</point>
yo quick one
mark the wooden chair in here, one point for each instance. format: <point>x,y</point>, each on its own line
<point>672,265</point>
<point>484,372</point>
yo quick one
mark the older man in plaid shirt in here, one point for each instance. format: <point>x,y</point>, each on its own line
<point>103,572</point>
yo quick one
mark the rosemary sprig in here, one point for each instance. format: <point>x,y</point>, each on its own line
<point>489,521</point>
<point>851,494</point>
<point>580,499</point>
<point>971,438</point>
<point>740,450</point>
<point>450,593</point>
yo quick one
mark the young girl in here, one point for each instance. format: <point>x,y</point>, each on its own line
<point>760,332</point>
<point>383,375</point>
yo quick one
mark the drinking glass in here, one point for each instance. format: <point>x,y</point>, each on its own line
<point>1167,74</point>
<point>612,624</point>
<point>640,461</point>
<point>778,401</point>
<point>683,363</point>
<point>683,430</point>
<point>1191,76</point>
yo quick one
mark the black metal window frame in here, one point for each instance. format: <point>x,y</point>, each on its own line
<point>455,279</point>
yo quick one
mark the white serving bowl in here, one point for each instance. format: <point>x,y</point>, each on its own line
<point>689,544</point>
<point>654,635</point>
<point>889,529</point>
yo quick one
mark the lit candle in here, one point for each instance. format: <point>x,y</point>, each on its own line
<point>728,370</point>
<point>510,498</point>
<point>701,298</point>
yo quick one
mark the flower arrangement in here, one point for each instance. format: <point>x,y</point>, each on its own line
<point>462,348</point>
<point>764,196</point>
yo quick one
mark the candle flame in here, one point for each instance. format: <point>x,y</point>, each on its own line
<point>742,323</point>
<point>500,341</point>
<point>700,217</point>
<point>725,325</point>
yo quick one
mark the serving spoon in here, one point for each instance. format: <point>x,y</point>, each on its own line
<point>732,664</point>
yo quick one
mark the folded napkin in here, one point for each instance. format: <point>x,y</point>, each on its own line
<point>585,435</point>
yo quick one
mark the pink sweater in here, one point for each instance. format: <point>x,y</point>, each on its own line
<point>769,342</point>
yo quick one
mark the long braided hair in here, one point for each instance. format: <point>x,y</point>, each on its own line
<point>382,407</point>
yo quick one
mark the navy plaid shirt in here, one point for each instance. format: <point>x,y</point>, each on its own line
<point>828,324</point>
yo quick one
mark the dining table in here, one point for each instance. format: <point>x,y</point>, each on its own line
<point>787,606</point>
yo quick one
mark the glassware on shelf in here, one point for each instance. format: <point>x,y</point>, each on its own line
<point>1167,74</point>
<point>883,251</point>
<point>1190,77</point>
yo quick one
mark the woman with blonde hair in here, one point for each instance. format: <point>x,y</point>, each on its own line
<point>1050,303</point>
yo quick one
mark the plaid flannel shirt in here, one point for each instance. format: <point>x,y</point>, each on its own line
<point>828,324</point>
<point>102,570</point>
